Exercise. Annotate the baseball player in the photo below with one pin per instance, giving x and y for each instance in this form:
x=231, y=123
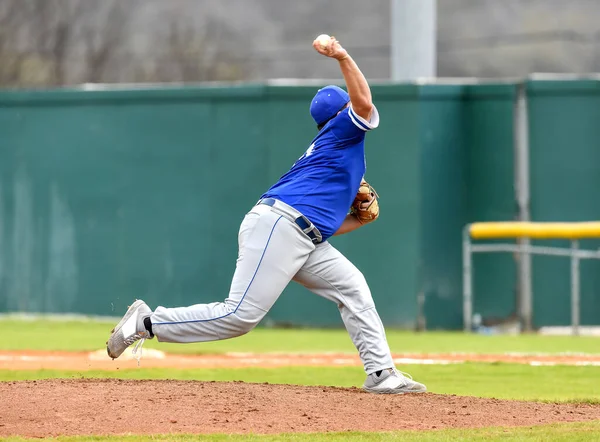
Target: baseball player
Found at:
x=284, y=238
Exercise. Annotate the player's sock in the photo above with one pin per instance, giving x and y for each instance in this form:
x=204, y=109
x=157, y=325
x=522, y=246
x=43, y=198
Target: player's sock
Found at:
x=148, y=325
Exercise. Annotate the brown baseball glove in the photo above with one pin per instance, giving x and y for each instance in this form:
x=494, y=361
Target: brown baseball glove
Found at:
x=365, y=205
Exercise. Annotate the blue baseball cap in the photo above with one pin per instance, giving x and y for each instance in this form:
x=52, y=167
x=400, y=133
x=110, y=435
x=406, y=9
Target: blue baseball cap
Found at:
x=327, y=103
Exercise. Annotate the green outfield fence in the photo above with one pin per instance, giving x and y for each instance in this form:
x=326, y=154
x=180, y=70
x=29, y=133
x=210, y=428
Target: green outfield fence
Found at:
x=113, y=193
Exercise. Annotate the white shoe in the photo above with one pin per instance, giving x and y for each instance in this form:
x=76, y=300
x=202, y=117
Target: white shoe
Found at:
x=392, y=381
x=129, y=330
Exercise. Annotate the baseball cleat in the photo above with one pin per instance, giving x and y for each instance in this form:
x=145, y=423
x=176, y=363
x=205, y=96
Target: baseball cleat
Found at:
x=392, y=381
x=129, y=330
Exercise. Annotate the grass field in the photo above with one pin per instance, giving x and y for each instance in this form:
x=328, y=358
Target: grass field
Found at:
x=506, y=381
x=88, y=336
x=576, y=432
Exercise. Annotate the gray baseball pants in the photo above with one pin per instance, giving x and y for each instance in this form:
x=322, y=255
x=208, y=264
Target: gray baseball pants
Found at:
x=273, y=250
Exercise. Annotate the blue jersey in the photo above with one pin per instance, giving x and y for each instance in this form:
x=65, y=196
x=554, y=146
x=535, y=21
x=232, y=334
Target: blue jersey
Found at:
x=323, y=182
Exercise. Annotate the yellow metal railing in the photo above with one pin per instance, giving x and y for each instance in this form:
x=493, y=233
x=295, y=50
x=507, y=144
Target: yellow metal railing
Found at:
x=531, y=230
x=497, y=230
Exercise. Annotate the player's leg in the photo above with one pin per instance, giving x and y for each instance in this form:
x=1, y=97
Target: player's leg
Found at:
x=271, y=250
x=331, y=275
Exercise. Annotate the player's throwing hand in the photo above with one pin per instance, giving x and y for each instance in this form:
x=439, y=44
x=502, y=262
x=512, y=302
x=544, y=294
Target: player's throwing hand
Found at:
x=329, y=47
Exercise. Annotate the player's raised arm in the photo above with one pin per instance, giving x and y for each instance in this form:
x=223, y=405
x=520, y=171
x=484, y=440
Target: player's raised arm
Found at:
x=356, y=83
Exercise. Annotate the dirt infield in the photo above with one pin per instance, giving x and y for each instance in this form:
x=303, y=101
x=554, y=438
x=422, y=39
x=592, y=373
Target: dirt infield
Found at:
x=85, y=407
x=98, y=360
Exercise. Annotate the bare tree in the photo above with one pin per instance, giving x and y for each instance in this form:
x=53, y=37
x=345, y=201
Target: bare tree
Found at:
x=11, y=18
x=194, y=52
x=102, y=42
x=52, y=34
x=59, y=42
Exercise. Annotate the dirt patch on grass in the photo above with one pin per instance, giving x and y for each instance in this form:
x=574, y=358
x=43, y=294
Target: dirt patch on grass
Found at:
x=98, y=360
x=112, y=406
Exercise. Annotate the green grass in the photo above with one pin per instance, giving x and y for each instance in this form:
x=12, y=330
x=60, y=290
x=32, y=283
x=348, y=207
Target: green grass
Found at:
x=572, y=432
x=503, y=381
x=87, y=336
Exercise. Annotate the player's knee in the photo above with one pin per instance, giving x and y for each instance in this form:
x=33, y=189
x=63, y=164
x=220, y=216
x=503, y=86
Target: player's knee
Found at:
x=359, y=280
x=240, y=326
x=356, y=294
x=357, y=284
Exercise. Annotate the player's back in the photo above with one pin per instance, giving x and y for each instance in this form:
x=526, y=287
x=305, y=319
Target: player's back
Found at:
x=323, y=182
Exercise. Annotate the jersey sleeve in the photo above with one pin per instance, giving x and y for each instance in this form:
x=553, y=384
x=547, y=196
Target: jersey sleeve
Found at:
x=351, y=127
x=363, y=124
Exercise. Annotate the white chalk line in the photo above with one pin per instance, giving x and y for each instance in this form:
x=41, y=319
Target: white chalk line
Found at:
x=274, y=359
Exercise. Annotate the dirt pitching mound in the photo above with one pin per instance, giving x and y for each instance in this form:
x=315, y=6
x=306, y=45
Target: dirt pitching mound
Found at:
x=113, y=406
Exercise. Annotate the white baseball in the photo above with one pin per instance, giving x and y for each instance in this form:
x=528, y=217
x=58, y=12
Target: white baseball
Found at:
x=324, y=40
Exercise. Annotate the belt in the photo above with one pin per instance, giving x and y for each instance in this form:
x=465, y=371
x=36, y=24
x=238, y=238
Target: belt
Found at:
x=301, y=221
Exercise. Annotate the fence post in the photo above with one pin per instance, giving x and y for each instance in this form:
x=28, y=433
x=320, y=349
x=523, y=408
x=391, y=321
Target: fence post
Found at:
x=522, y=194
x=467, y=281
x=574, y=287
